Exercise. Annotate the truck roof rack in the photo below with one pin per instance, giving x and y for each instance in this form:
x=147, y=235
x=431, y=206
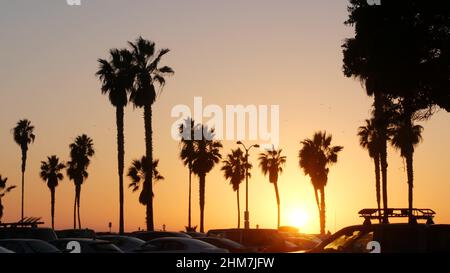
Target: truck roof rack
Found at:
x=417, y=214
x=25, y=222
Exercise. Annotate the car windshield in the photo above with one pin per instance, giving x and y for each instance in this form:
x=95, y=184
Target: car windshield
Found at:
x=42, y=247
x=339, y=243
x=105, y=247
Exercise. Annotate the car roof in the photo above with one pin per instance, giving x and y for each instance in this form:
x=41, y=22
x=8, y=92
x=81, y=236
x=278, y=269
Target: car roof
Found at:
x=22, y=240
x=87, y=240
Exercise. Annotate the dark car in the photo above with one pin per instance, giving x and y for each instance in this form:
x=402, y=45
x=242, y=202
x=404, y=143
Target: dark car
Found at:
x=126, y=243
x=231, y=246
x=84, y=245
x=44, y=234
x=179, y=245
x=76, y=233
x=388, y=238
x=27, y=246
x=150, y=235
x=263, y=240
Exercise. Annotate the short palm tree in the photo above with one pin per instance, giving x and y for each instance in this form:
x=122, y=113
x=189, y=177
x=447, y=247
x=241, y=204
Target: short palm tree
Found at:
x=23, y=136
x=234, y=169
x=148, y=74
x=117, y=76
x=137, y=174
x=187, y=130
x=3, y=191
x=315, y=157
x=271, y=162
x=205, y=156
x=405, y=136
x=51, y=172
x=368, y=139
x=81, y=151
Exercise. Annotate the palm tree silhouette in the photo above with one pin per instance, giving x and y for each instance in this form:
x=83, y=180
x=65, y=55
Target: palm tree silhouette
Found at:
x=144, y=94
x=368, y=139
x=234, y=168
x=51, y=173
x=23, y=136
x=405, y=136
x=271, y=162
x=205, y=156
x=81, y=150
x=117, y=76
x=315, y=157
x=187, y=131
x=137, y=174
x=3, y=191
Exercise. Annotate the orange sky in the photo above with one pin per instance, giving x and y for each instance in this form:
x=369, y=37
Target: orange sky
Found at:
x=258, y=52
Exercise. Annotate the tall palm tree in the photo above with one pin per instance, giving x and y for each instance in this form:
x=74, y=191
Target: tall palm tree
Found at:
x=271, y=162
x=405, y=136
x=205, y=156
x=137, y=174
x=51, y=172
x=81, y=150
x=368, y=139
x=23, y=136
x=187, y=131
x=3, y=191
x=315, y=157
x=234, y=168
x=117, y=76
x=148, y=74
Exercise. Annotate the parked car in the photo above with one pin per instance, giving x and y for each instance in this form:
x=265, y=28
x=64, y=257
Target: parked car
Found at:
x=5, y=251
x=76, y=233
x=26, y=246
x=86, y=246
x=125, y=243
x=231, y=246
x=150, y=235
x=388, y=238
x=45, y=234
x=179, y=245
x=263, y=240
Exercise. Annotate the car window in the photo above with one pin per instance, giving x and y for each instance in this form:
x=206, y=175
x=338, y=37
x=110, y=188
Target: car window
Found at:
x=172, y=245
x=16, y=247
x=360, y=244
x=42, y=247
x=105, y=247
x=342, y=241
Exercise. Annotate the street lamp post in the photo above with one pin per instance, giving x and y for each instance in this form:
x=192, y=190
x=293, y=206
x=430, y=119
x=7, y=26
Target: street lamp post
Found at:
x=246, y=213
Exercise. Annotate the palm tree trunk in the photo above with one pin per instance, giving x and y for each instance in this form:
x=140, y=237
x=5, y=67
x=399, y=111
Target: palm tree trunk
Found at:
x=190, y=196
x=202, y=201
x=382, y=129
x=322, y=211
x=78, y=189
x=409, y=169
x=75, y=210
x=120, y=160
x=52, y=196
x=376, y=160
x=239, y=209
x=278, y=203
x=317, y=198
x=149, y=167
x=24, y=161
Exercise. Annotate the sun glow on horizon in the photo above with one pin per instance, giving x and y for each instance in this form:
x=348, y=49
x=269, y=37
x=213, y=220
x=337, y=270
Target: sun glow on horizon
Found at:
x=298, y=218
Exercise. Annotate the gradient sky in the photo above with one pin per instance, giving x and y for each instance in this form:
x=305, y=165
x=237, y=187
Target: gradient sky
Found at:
x=286, y=53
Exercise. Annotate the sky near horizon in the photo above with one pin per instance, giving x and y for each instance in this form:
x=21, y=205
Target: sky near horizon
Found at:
x=285, y=53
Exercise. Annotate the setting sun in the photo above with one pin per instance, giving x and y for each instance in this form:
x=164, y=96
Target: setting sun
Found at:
x=298, y=218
